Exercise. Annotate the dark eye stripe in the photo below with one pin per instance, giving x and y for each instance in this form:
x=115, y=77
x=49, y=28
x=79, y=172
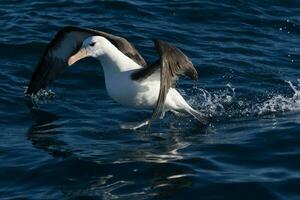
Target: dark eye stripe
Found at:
x=92, y=44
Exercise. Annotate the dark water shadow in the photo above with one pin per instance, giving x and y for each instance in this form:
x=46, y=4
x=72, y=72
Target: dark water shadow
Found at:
x=44, y=132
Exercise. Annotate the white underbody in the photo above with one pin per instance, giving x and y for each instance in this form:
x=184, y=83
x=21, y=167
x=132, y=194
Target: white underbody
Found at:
x=141, y=94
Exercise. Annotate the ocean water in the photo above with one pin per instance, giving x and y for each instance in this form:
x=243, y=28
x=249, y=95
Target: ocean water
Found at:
x=67, y=143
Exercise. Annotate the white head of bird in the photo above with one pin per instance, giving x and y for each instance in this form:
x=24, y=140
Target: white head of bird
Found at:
x=111, y=58
x=95, y=46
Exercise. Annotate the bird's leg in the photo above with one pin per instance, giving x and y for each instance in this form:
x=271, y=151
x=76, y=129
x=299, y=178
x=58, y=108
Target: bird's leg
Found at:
x=177, y=113
x=135, y=125
x=162, y=115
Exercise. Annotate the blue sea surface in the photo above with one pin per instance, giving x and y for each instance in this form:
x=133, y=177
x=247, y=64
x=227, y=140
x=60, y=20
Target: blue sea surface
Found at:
x=67, y=144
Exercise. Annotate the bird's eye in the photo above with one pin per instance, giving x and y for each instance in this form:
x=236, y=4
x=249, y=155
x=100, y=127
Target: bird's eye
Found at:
x=92, y=44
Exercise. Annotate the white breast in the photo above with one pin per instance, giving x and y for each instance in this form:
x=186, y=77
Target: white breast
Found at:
x=117, y=70
x=123, y=90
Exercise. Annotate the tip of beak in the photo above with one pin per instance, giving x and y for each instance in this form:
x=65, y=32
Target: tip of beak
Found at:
x=70, y=62
x=77, y=56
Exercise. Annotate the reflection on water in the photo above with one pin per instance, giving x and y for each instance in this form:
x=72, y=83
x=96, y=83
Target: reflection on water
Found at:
x=44, y=132
x=114, y=175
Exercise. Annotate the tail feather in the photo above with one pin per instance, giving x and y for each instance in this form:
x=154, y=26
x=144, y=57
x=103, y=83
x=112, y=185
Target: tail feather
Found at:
x=199, y=116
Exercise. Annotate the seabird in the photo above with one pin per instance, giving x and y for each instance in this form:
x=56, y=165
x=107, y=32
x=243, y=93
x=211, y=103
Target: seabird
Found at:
x=129, y=79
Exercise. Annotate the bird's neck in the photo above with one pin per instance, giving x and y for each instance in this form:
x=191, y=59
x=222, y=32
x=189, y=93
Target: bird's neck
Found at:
x=114, y=61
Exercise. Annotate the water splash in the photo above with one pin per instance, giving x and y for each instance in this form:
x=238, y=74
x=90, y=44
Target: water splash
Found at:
x=213, y=103
x=280, y=103
x=42, y=96
x=225, y=104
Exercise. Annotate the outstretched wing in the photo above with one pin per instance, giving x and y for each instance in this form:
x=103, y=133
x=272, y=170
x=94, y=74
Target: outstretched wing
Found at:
x=172, y=63
x=65, y=43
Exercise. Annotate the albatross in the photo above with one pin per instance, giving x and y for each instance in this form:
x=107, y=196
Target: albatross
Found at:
x=129, y=80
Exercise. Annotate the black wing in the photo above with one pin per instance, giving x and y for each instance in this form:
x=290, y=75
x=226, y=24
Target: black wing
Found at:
x=65, y=43
x=172, y=63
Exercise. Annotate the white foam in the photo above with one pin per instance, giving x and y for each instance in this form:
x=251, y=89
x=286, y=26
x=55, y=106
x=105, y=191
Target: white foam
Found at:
x=224, y=103
x=281, y=103
x=42, y=96
x=212, y=103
